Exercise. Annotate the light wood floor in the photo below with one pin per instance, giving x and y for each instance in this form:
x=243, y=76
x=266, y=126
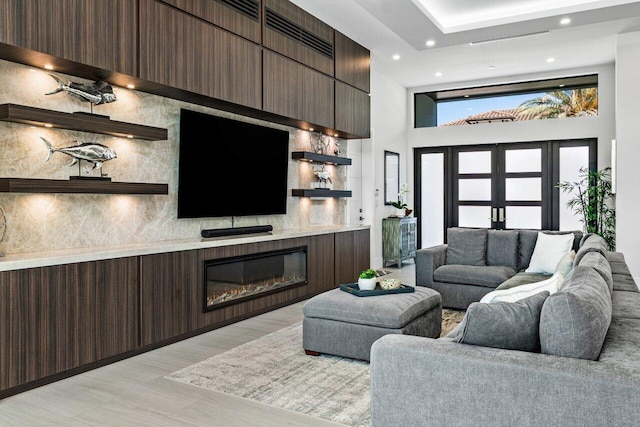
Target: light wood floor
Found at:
x=134, y=392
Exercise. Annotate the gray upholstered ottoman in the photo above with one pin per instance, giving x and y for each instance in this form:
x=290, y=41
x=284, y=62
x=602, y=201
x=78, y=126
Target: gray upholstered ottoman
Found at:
x=339, y=323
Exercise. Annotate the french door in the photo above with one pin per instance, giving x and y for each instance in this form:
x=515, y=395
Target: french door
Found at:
x=499, y=186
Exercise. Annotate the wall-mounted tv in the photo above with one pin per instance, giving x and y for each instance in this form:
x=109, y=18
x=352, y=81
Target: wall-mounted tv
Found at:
x=230, y=168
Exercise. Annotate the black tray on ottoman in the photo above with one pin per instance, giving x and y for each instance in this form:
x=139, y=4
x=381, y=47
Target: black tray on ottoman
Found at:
x=353, y=288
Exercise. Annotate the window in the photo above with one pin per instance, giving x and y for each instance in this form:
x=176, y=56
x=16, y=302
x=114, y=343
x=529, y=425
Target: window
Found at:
x=566, y=97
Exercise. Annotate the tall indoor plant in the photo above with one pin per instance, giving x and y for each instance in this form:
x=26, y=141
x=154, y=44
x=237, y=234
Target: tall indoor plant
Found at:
x=592, y=202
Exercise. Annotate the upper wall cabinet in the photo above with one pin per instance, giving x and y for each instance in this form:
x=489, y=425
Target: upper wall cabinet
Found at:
x=291, y=31
x=352, y=111
x=353, y=62
x=198, y=57
x=99, y=33
x=241, y=17
x=293, y=90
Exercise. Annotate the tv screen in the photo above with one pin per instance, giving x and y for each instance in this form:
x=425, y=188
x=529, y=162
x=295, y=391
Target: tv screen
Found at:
x=230, y=168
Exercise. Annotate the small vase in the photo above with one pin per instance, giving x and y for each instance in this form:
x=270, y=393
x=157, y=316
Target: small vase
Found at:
x=367, y=284
x=399, y=213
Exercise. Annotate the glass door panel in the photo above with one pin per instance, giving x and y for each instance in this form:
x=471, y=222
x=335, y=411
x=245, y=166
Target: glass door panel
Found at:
x=474, y=216
x=523, y=217
x=571, y=160
x=474, y=189
x=523, y=189
x=432, y=199
x=474, y=162
x=523, y=160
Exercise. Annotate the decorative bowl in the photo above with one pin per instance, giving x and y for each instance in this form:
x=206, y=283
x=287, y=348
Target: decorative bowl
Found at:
x=389, y=284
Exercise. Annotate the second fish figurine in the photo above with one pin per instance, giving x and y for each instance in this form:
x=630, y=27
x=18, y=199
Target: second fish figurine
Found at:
x=90, y=151
x=96, y=93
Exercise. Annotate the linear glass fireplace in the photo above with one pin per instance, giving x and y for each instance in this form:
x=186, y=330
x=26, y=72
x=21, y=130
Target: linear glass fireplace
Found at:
x=235, y=279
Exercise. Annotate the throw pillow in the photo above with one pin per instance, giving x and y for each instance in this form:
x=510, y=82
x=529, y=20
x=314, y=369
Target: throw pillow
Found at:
x=466, y=246
x=507, y=325
x=502, y=248
x=549, y=250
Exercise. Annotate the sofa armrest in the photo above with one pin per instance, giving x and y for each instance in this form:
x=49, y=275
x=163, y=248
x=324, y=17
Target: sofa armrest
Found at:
x=419, y=381
x=427, y=260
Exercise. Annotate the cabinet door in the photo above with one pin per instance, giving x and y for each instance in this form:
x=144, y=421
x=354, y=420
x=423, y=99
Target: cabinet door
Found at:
x=99, y=33
x=171, y=292
x=352, y=110
x=241, y=17
x=295, y=33
x=198, y=57
x=295, y=91
x=352, y=255
x=53, y=319
x=353, y=62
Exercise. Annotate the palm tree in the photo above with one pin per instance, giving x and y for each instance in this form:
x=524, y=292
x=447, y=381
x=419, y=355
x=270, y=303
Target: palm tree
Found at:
x=563, y=103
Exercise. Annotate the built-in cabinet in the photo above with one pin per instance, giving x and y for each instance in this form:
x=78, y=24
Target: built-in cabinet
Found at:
x=267, y=59
x=60, y=320
x=198, y=57
x=98, y=33
x=398, y=240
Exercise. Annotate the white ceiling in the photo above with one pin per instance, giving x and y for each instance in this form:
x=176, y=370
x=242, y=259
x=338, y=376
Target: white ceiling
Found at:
x=512, y=37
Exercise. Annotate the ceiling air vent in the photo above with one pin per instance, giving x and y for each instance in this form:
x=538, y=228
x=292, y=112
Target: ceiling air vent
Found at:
x=297, y=33
x=250, y=8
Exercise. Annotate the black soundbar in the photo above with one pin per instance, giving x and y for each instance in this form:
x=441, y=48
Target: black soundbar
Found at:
x=217, y=232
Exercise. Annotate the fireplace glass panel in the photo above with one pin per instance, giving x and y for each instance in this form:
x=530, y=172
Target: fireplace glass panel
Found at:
x=231, y=280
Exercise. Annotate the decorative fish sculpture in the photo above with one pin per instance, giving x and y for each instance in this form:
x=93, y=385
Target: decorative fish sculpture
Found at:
x=90, y=151
x=99, y=92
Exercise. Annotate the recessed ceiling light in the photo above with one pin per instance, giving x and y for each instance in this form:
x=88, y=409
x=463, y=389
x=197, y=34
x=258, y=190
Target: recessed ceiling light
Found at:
x=565, y=21
x=550, y=59
x=48, y=67
x=396, y=57
x=466, y=96
x=431, y=43
x=491, y=67
x=130, y=86
x=438, y=74
x=560, y=85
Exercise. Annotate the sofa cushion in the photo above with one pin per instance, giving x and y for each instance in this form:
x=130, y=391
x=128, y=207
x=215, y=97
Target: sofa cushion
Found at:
x=548, y=252
x=502, y=248
x=489, y=276
x=574, y=321
x=625, y=305
x=518, y=293
x=593, y=243
x=527, y=242
x=624, y=282
x=599, y=263
x=466, y=246
x=507, y=325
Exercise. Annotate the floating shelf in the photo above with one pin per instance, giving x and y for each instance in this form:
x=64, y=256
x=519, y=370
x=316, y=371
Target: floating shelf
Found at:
x=83, y=122
x=307, y=156
x=320, y=193
x=29, y=185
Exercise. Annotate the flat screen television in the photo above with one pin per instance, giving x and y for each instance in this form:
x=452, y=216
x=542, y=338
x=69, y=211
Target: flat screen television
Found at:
x=230, y=168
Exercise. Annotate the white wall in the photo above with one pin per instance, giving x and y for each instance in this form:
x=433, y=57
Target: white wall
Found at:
x=388, y=123
x=627, y=135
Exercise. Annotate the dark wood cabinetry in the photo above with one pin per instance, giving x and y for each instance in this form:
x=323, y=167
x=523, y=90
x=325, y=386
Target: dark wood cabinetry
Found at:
x=55, y=319
x=351, y=255
x=352, y=110
x=241, y=17
x=98, y=33
x=291, y=31
x=353, y=62
x=293, y=90
x=198, y=57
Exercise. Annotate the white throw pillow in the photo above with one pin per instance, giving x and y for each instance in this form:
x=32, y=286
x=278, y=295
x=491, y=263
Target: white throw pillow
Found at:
x=549, y=250
x=524, y=291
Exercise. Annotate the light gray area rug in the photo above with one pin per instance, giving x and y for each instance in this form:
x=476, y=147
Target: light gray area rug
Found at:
x=275, y=370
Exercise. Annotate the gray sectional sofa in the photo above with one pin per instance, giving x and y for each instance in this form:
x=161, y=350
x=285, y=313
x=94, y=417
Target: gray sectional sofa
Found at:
x=475, y=262
x=581, y=366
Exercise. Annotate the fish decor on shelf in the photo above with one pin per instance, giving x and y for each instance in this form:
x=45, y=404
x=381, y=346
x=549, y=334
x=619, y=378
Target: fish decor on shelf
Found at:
x=98, y=92
x=89, y=151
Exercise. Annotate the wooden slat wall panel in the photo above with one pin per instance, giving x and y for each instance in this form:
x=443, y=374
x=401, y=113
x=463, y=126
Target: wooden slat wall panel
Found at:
x=353, y=110
x=353, y=62
x=351, y=255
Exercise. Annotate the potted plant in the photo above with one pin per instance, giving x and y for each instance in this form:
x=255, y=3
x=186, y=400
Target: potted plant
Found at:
x=591, y=201
x=367, y=280
x=400, y=208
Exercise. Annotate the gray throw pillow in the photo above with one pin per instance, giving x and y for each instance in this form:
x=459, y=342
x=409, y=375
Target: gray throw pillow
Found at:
x=508, y=325
x=575, y=320
x=466, y=246
x=502, y=248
